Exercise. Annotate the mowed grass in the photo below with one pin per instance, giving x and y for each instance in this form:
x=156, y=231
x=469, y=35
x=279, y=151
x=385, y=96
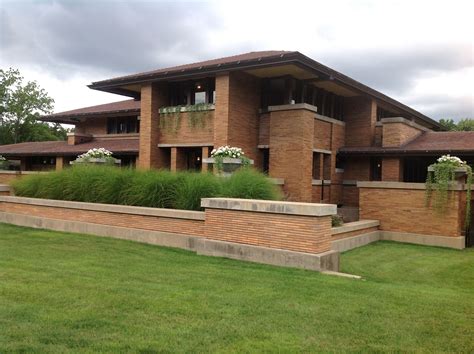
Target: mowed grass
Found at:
x=64, y=292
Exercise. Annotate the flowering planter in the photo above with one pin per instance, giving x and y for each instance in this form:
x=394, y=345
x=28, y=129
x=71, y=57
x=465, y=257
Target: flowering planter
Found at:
x=458, y=172
x=229, y=164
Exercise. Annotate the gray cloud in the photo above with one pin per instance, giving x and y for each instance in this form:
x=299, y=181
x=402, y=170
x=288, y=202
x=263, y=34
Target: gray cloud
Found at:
x=395, y=71
x=103, y=39
x=118, y=38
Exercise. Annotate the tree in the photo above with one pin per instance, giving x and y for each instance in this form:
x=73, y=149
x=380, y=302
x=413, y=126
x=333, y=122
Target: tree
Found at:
x=466, y=124
x=20, y=107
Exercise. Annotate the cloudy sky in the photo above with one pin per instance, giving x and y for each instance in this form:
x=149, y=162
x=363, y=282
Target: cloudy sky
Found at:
x=418, y=52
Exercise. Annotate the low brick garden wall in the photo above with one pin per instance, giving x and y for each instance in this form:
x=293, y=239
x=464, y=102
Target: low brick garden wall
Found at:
x=281, y=233
x=7, y=176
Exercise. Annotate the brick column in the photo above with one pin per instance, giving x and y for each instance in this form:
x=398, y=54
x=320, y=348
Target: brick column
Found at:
x=206, y=152
x=177, y=161
x=392, y=169
x=291, y=150
x=153, y=96
x=59, y=163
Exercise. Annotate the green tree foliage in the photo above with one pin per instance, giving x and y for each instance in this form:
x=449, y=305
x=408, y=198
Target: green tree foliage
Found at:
x=466, y=124
x=21, y=104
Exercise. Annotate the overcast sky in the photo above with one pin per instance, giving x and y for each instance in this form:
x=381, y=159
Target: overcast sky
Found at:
x=418, y=52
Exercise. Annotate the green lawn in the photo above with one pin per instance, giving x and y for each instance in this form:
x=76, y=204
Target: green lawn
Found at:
x=68, y=292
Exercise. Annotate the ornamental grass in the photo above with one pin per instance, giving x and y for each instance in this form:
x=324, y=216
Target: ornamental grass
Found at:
x=153, y=188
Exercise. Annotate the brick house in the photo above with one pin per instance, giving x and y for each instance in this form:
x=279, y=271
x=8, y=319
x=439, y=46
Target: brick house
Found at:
x=314, y=129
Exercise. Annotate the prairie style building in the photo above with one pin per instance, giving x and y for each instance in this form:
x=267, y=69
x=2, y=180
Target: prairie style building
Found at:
x=313, y=129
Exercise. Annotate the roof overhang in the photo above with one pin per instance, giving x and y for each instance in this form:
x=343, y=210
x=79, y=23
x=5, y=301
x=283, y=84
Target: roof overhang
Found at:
x=77, y=118
x=402, y=152
x=322, y=72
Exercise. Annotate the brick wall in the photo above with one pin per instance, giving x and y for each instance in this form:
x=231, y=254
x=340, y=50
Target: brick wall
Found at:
x=322, y=134
x=165, y=224
x=186, y=133
x=291, y=152
x=396, y=134
x=264, y=129
x=236, y=120
x=153, y=96
x=360, y=116
x=92, y=126
x=293, y=229
x=316, y=194
x=404, y=210
x=6, y=178
x=392, y=169
x=357, y=169
x=350, y=196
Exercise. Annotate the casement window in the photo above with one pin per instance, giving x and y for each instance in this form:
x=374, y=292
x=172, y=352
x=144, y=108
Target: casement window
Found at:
x=123, y=125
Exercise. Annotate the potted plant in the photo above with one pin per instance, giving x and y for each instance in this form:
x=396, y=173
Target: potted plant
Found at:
x=3, y=163
x=443, y=174
x=96, y=156
x=228, y=159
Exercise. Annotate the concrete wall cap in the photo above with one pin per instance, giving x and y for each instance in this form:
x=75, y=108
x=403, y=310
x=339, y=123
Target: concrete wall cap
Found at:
x=329, y=119
x=354, y=226
x=277, y=181
x=111, y=208
x=401, y=185
x=4, y=188
x=403, y=121
x=270, y=206
x=318, y=182
x=289, y=107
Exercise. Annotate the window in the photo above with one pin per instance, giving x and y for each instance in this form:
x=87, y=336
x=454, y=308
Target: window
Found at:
x=265, y=160
x=123, y=125
x=375, y=169
x=192, y=92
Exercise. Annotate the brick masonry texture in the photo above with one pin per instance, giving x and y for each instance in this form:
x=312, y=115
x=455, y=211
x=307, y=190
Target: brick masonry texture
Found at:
x=264, y=129
x=188, y=227
x=308, y=234
x=397, y=134
x=292, y=158
x=404, y=210
x=153, y=96
x=350, y=195
x=392, y=169
x=7, y=178
x=360, y=115
x=186, y=133
x=288, y=232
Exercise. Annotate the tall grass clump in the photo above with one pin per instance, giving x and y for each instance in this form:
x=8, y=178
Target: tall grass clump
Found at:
x=250, y=184
x=157, y=189
x=194, y=186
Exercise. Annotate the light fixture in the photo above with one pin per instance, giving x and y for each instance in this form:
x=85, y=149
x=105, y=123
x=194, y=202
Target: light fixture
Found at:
x=198, y=86
x=198, y=158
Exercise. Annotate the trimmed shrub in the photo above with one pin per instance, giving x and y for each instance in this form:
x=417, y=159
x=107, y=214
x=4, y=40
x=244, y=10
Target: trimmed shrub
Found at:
x=158, y=189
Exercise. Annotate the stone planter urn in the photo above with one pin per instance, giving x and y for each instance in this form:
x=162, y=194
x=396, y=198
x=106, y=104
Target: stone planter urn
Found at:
x=96, y=161
x=229, y=165
x=459, y=172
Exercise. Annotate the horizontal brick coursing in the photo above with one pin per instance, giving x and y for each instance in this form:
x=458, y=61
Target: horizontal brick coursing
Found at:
x=7, y=178
x=404, y=210
x=289, y=232
x=264, y=130
x=187, y=133
x=350, y=196
x=397, y=134
x=154, y=223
